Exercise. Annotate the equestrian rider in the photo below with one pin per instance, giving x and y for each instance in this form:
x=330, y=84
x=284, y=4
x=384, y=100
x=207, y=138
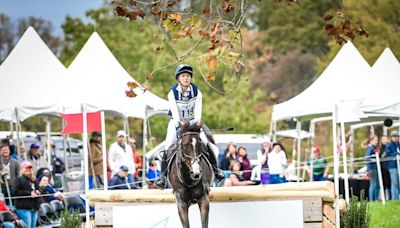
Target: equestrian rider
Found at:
x=185, y=101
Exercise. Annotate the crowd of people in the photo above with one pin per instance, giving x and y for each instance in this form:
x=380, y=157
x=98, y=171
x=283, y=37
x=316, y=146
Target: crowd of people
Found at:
x=272, y=165
x=25, y=184
x=387, y=152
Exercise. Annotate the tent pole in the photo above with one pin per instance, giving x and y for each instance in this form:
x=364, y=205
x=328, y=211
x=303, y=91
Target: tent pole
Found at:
x=346, y=178
x=298, y=128
x=381, y=187
x=65, y=147
x=144, y=149
x=86, y=164
x=127, y=127
x=336, y=166
x=104, y=151
x=351, y=145
x=18, y=138
x=312, y=135
x=48, y=130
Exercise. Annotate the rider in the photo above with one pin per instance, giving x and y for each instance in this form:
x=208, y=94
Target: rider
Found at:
x=185, y=101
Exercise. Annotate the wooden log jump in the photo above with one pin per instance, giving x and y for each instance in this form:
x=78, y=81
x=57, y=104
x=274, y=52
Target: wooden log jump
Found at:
x=317, y=197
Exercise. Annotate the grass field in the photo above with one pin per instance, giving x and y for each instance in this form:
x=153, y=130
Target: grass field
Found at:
x=387, y=216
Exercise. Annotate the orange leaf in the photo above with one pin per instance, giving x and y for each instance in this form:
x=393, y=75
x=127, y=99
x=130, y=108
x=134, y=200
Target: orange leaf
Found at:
x=121, y=11
x=210, y=76
x=212, y=62
x=132, y=85
x=328, y=17
x=130, y=93
x=206, y=11
x=175, y=17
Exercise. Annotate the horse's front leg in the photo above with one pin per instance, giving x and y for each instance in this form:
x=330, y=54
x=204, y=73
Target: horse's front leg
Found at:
x=204, y=206
x=183, y=209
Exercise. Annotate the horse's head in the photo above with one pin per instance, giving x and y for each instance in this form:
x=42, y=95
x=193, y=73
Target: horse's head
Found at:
x=191, y=148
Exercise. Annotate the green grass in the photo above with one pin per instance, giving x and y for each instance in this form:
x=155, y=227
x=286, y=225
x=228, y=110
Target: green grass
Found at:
x=387, y=216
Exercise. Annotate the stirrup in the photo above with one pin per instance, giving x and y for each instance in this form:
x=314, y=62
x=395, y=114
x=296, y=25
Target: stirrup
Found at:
x=219, y=174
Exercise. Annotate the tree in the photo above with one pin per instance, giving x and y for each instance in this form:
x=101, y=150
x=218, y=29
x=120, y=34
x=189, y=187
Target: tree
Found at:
x=136, y=52
x=10, y=33
x=6, y=36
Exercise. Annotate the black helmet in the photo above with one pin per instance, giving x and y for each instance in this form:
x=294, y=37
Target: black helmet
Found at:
x=183, y=68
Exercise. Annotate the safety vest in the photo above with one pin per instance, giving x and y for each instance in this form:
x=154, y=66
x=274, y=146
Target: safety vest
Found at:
x=185, y=104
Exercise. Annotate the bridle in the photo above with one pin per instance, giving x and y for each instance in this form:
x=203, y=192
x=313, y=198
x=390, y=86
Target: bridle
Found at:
x=195, y=158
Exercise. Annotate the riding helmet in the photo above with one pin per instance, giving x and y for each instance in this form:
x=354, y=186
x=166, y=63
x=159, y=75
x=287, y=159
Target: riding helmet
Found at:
x=183, y=68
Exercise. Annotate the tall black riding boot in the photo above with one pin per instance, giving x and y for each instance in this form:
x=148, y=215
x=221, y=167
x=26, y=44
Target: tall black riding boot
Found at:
x=161, y=182
x=219, y=174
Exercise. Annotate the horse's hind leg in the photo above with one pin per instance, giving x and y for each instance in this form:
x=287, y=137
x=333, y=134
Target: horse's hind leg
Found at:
x=183, y=209
x=204, y=206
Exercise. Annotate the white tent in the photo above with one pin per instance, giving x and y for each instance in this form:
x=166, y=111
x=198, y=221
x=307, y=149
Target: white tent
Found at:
x=346, y=78
x=97, y=80
x=384, y=97
x=293, y=133
x=31, y=79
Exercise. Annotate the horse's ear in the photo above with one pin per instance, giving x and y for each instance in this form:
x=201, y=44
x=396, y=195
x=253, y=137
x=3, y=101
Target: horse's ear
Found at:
x=183, y=125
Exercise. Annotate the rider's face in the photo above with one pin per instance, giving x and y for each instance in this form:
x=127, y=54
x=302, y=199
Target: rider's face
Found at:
x=185, y=79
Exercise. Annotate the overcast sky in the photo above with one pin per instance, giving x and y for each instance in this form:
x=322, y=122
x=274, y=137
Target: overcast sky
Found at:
x=52, y=10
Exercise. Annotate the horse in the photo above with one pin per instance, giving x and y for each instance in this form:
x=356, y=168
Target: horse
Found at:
x=191, y=174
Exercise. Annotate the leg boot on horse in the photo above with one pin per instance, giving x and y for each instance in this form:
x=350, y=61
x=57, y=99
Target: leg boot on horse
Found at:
x=219, y=174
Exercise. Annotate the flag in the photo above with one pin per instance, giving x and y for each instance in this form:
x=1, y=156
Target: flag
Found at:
x=74, y=122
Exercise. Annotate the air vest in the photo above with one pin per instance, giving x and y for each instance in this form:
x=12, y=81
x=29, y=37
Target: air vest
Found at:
x=184, y=104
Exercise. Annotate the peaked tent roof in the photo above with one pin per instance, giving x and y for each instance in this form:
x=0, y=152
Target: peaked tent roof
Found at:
x=385, y=75
x=98, y=80
x=345, y=78
x=31, y=78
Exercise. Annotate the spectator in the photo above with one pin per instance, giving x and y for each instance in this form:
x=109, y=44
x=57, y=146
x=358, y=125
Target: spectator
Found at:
x=8, y=224
x=13, y=152
x=120, y=154
x=58, y=167
x=277, y=163
x=373, y=192
x=120, y=180
x=244, y=163
x=290, y=171
x=236, y=179
x=45, y=188
x=391, y=151
x=262, y=160
x=27, y=207
x=56, y=162
x=230, y=155
x=9, y=171
x=222, y=155
x=95, y=161
x=153, y=172
x=136, y=157
x=35, y=158
x=320, y=167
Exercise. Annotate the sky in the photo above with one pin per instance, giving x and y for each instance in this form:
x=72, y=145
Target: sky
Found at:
x=51, y=10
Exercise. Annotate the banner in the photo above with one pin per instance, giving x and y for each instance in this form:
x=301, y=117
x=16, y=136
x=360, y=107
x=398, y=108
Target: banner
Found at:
x=74, y=122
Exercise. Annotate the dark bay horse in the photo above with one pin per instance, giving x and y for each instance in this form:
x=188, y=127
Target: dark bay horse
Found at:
x=191, y=175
